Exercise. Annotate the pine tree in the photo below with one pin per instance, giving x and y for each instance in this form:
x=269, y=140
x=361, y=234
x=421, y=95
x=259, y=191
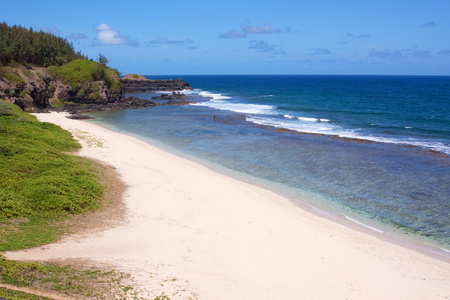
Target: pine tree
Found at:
x=26, y=46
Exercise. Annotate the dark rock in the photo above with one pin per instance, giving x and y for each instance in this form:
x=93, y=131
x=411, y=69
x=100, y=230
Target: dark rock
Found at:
x=173, y=96
x=40, y=93
x=79, y=117
x=179, y=102
x=130, y=102
x=149, y=86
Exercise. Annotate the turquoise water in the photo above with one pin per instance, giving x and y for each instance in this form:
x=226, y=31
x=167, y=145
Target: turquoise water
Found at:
x=374, y=148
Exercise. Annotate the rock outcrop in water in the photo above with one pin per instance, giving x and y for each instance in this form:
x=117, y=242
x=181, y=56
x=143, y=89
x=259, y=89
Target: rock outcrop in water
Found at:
x=133, y=83
x=173, y=96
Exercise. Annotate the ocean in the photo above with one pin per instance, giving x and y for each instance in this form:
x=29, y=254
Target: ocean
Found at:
x=373, y=149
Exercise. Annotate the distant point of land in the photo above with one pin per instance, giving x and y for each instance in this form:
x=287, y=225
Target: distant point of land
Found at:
x=134, y=77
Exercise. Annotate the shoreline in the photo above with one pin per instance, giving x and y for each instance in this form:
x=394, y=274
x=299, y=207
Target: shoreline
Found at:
x=385, y=234
x=388, y=234
x=223, y=238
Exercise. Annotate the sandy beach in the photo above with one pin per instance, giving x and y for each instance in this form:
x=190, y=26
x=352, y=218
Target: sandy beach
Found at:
x=192, y=233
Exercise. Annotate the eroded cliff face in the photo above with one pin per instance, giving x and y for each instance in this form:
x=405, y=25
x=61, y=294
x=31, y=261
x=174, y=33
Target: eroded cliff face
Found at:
x=35, y=89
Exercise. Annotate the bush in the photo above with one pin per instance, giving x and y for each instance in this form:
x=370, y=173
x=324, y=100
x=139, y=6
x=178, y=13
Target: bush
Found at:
x=10, y=75
x=58, y=103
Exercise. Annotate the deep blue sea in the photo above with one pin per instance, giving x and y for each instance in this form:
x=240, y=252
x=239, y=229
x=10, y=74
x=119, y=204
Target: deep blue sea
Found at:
x=375, y=149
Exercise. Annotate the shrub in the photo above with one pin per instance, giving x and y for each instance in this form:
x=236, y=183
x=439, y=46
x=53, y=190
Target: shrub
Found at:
x=27, y=73
x=24, y=92
x=58, y=103
x=10, y=75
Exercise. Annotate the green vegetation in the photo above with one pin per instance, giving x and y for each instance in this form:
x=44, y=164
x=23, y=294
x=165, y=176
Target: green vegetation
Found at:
x=11, y=75
x=102, y=59
x=90, y=282
x=82, y=72
x=29, y=232
x=26, y=46
x=40, y=183
x=10, y=294
x=23, y=50
x=58, y=103
x=41, y=186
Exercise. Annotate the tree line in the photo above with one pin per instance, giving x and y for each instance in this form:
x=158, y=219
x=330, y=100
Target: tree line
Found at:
x=26, y=46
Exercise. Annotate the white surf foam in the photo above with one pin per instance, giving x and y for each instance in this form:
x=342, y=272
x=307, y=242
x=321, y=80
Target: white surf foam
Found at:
x=219, y=101
x=308, y=119
x=297, y=124
x=214, y=97
x=324, y=126
x=364, y=225
x=307, y=124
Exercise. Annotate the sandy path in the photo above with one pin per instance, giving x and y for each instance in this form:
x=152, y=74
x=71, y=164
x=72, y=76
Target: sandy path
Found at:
x=191, y=232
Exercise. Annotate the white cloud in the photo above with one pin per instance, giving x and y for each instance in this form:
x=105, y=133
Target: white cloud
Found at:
x=233, y=34
x=421, y=53
x=107, y=36
x=387, y=53
x=165, y=40
x=78, y=36
x=444, y=52
x=428, y=24
x=54, y=30
x=321, y=51
x=252, y=29
x=261, y=46
x=358, y=36
x=265, y=29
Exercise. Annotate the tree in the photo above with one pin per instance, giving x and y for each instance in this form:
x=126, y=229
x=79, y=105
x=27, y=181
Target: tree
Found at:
x=102, y=59
x=26, y=46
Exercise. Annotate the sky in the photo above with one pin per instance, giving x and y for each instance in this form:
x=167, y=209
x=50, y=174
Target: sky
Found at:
x=377, y=37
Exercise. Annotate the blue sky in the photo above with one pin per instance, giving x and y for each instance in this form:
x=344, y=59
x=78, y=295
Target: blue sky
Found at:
x=250, y=37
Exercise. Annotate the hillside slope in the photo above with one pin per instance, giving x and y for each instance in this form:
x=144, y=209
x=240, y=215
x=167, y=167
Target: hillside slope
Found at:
x=77, y=82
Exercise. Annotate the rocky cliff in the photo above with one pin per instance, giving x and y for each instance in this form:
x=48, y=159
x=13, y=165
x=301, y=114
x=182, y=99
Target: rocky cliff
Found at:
x=35, y=89
x=79, y=86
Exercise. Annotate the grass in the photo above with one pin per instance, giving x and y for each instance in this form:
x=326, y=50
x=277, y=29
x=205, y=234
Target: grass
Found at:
x=37, y=177
x=9, y=74
x=90, y=140
x=58, y=103
x=28, y=233
x=81, y=282
x=81, y=72
x=11, y=294
x=40, y=183
x=42, y=190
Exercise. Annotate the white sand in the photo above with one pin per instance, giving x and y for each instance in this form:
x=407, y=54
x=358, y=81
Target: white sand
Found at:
x=191, y=232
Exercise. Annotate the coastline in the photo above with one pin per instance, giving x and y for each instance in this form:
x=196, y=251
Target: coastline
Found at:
x=221, y=238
